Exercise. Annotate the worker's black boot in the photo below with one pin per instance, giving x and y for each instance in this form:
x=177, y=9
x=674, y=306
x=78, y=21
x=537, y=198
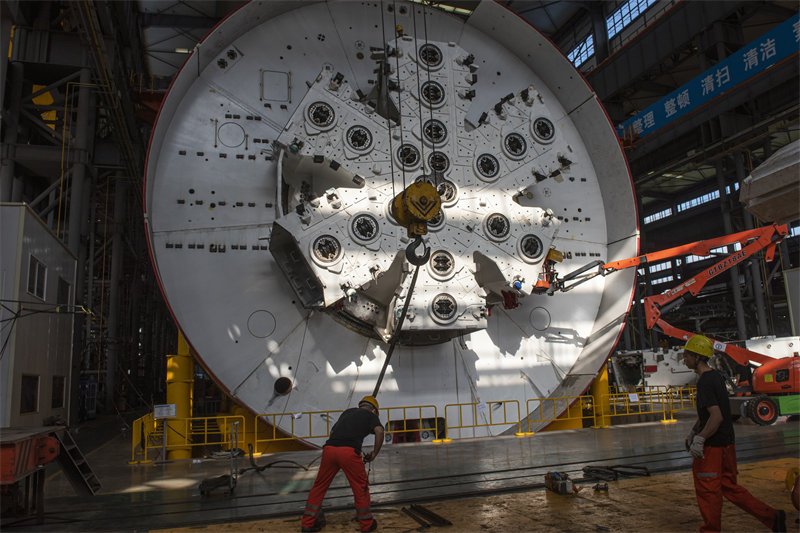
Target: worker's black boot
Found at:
x=319, y=523
x=373, y=527
x=779, y=523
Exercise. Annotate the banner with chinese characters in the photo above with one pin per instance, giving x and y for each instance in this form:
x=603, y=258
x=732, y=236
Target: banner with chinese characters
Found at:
x=751, y=59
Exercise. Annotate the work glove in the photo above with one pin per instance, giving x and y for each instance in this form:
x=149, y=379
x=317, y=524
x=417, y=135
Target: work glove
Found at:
x=696, y=448
x=689, y=438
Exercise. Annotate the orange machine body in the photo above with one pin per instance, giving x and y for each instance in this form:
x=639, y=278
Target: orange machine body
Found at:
x=22, y=450
x=777, y=377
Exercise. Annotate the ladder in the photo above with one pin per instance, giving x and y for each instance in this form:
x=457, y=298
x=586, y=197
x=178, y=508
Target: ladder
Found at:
x=75, y=467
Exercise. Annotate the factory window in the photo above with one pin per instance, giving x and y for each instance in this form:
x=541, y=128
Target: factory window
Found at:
x=662, y=280
x=57, y=400
x=582, y=52
x=658, y=216
x=694, y=202
x=62, y=298
x=37, y=274
x=722, y=250
x=29, y=399
x=626, y=14
x=794, y=231
x=732, y=188
x=666, y=265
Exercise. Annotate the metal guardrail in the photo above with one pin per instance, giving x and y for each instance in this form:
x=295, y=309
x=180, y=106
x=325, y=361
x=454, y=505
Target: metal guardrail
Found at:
x=202, y=431
x=657, y=400
x=636, y=403
x=681, y=398
x=404, y=420
x=142, y=430
x=547, y=409
x=637, y=388
x=400, y=421
x=482, y=408
x=147, y=433
x=301, y=425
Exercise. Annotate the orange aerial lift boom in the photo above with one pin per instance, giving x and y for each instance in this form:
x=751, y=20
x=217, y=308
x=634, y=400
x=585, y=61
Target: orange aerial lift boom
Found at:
x=751, y=241
x=779, y=377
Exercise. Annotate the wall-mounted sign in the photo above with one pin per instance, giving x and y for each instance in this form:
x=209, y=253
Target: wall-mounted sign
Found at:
x=750, y=60
x=166, y=410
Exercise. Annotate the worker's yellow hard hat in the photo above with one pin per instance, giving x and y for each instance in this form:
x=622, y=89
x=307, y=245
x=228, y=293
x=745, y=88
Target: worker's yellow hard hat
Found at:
x=370, y=400
x=700, y=345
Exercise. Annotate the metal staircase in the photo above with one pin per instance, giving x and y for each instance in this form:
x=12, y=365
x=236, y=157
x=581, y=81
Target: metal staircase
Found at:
x=75, y=467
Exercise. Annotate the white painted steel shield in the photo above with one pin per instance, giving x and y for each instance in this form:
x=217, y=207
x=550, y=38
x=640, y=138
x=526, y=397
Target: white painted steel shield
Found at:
x=272, y=131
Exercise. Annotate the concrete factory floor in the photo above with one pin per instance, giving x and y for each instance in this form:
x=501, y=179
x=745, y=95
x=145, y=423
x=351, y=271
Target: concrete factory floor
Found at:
x=661, y=503
x=487, y=484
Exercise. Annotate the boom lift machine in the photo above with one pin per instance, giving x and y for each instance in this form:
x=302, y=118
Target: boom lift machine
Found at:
x=773, y=389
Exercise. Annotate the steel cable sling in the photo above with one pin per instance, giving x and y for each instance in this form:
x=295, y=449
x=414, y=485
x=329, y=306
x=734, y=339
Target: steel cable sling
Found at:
x=411, y=256
x=396, y=334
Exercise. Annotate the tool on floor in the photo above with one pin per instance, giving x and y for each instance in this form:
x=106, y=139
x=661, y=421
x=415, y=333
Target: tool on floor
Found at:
x=213, y=483
x=429, y=515
x=631, y=470
x=601, y=486
x=418, y=519
x=226, y=480
x=613, y=472
x=599, y=472
x=560, y=483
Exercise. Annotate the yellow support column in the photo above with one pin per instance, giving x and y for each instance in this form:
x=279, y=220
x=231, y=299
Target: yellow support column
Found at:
x=602, y=406
x=180, y=384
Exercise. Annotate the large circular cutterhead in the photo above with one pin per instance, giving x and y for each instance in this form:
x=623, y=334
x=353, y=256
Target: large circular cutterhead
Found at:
x=270, y=176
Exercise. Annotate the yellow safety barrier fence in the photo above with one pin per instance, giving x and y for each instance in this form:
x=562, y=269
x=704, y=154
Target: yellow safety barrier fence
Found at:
x=637, y=403
x=147, y=432
x=301, y=425
x=399, y=420
x=202, y=431
x=407, y=422
x=486, y=410
x=681, y=398
x=547, y=410
x=665, y=402
x=615, y=389
x=143, y=432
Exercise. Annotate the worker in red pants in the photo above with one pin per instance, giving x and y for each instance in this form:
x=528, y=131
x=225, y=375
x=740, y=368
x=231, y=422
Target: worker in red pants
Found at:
x=711, y=443
x=343, y=451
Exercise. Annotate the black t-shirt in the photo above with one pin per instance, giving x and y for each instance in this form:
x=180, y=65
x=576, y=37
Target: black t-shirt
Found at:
x=711, y=391
x=351, y=428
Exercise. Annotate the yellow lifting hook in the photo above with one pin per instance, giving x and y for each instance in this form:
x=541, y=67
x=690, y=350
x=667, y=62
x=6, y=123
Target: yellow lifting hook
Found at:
x=413, y=208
